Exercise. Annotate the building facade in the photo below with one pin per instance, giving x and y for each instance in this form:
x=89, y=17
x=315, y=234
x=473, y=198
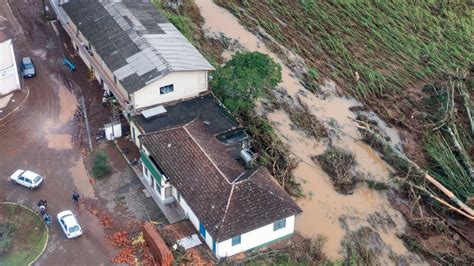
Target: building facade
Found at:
x=9, y=80
x=134, y=52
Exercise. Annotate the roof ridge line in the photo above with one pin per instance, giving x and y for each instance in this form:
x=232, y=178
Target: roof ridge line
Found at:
x=248, y=178
x=205, y=154
x=225, y=211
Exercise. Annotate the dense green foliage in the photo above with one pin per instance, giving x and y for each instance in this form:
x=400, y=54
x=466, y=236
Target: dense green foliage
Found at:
x=100, y=166
x=245, y=78
x=390, y=44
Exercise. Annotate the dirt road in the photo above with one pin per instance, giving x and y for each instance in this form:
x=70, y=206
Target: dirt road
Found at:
x=42, y=136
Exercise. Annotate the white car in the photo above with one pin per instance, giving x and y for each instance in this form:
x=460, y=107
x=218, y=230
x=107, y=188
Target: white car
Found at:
x=69, y=224
x=27, y=179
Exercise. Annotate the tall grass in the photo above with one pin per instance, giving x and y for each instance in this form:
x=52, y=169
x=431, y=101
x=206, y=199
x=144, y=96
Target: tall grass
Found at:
x=389, y=44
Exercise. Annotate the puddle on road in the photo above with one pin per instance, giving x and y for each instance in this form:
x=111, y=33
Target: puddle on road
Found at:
x=323, y=207
x=59, y=141
x=67, y=109
x=82, y=180
x=67, y=105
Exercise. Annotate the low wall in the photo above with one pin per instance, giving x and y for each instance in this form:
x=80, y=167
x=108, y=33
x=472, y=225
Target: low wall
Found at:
x=158, y=247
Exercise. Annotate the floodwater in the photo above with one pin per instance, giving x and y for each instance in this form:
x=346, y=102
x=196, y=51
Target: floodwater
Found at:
x=323, y=207
x=67, y=105
x=52, y=127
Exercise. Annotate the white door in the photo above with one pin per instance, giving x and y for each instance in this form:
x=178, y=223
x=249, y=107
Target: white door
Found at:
x=28, y=182
x=21, y=181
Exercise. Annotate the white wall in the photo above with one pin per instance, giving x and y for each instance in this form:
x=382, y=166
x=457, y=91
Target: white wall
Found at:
x=9, y=80
x=137, y=133
x=192, y=217
x=186, y=84
x=255, y=238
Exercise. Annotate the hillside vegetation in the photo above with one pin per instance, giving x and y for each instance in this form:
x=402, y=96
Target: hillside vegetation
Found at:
x=384, y=54
x=391, y=45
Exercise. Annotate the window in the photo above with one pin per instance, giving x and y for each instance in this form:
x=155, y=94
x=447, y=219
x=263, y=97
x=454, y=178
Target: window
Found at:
x=166, y=89
x=279, y=224
x=157, y=188
x=236, y=240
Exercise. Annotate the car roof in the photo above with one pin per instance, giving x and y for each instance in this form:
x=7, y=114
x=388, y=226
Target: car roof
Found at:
x=26, y=60
x=29, y=174
x=68, y=218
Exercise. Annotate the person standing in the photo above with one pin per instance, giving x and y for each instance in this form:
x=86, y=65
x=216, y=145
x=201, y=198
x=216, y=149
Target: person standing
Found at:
x=75, y=197
x=42, y=209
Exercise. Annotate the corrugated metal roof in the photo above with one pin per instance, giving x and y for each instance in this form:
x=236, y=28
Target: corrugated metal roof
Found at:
x=136, y=42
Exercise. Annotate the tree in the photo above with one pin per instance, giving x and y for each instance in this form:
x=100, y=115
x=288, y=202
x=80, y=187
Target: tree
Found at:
x=100, y=165
x=245, y=78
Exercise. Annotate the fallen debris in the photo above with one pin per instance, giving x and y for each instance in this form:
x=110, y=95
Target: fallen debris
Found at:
x=119, y=238
x=338, y=163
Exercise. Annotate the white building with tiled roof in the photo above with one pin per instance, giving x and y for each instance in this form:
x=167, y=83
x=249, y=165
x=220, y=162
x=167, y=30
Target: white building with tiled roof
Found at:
x=234, y=209
x=134, y=51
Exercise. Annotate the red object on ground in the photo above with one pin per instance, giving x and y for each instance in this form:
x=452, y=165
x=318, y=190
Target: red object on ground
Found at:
x=157, y=245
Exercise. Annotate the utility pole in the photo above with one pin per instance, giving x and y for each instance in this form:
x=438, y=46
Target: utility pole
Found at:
x=113, y=122
x=44, y=8
x=86, y=122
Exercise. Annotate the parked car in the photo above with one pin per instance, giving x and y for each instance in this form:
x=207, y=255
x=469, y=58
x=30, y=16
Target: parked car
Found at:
x=69, y=224
x=27, y=179
x=27, y=67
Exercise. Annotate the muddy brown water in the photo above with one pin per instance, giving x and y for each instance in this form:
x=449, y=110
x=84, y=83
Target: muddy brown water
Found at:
x=52, y=126
x=323, y=207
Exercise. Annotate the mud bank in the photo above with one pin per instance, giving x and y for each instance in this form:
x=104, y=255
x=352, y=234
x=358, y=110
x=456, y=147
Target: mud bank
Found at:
x=325, y=211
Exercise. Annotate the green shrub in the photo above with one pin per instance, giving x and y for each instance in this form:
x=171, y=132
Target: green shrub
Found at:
x=100, y=165
x=244, y=79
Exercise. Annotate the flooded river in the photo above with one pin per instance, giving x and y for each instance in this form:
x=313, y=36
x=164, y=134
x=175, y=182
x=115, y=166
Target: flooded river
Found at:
x=324, y=210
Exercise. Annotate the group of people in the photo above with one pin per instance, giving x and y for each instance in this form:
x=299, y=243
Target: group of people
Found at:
x=43, y=205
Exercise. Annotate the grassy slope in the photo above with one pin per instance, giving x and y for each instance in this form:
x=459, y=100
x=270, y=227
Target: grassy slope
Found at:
x=30, y=235
x=390, y=44
x=394, y=47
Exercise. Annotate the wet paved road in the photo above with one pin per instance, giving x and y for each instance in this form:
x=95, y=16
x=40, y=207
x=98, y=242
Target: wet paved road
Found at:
x=42, y=136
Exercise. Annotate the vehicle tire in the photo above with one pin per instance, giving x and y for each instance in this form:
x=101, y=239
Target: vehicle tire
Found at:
x=14, y=181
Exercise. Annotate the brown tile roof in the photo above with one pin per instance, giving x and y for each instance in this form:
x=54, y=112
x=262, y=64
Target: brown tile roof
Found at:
x=228, y=199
